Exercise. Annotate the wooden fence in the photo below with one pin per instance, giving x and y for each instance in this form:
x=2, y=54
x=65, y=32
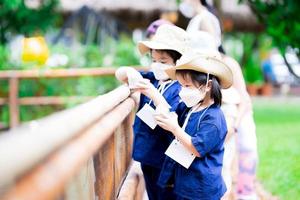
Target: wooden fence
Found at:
x=80, y=153
x=14, y=77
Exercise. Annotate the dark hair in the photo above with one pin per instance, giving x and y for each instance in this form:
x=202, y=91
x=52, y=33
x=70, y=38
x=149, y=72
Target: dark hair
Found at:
x=199, y=78
x=209, y=7
x=203, y=2
x=221, y=50
x=175, y=55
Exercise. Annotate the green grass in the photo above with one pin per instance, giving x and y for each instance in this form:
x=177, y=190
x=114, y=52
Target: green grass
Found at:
x=278, y=133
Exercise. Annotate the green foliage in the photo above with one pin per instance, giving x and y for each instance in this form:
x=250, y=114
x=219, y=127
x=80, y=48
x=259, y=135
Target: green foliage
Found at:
x=248, y=54
x=4, y=57
x=252, y=71
x=16, y=17
x=122, y=52
x=4, y=116
x=281, y=20
x=94, y=58
x=278, y=125
x=125, y=53
x=251, y=60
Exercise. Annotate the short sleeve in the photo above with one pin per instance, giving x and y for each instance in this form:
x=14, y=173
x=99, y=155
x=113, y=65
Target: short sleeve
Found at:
x=147, y=75
x=207, y=138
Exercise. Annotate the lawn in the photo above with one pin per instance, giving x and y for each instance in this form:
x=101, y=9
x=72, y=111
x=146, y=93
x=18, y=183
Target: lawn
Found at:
x=278, y=133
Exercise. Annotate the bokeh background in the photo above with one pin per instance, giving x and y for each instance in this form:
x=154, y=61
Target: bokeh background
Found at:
x=263, y=36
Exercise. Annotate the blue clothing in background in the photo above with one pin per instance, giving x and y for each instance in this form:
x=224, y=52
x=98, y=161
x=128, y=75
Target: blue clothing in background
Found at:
x=268, y=71
x=203, y=179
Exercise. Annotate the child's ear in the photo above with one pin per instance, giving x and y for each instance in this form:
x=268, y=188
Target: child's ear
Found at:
x=209, y=85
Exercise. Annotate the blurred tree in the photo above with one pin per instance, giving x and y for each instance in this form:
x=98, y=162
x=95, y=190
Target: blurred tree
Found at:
x=26, y=17
x=282, y=22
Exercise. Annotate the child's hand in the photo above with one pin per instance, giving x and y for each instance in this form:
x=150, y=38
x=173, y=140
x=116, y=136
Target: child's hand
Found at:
x=145, y=87
x=167, y=120
x=133, y=77
x=128, y=75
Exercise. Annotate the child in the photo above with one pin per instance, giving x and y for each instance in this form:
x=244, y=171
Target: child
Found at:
x=194, y=162
x=204, y=42
x=149, y=145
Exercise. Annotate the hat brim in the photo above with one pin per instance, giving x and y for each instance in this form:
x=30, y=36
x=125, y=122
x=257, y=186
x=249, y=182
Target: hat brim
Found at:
x=145, y=46
x=204, y=64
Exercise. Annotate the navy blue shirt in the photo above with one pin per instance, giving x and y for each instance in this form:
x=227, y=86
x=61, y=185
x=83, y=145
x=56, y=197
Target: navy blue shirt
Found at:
x=203, y=180
x=149, y=145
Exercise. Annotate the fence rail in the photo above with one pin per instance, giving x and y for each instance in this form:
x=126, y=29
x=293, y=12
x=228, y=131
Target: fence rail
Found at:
x=14, y=77
x=88, y=146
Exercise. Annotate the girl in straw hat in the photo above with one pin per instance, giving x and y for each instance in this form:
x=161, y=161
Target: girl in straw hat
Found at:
x=194, y=159
x=242, y=123
x=202, y=41
x=151, y=141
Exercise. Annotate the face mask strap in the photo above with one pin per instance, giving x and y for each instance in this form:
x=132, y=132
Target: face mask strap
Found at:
x=207, y=79
x=206, y=84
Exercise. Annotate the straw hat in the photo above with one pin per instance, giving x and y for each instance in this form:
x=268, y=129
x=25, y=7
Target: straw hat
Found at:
x=202, y=42
x=206, y=63
x=167, y=37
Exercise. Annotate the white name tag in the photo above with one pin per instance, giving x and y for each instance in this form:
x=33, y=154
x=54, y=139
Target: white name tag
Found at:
x=146, y=114
x=180, y=153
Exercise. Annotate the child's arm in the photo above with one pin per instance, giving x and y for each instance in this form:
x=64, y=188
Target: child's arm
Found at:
x=164, y=118
x=145, y=87
x=168, y=121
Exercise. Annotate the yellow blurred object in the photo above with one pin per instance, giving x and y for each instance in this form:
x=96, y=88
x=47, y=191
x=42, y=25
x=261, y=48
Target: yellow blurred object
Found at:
x=35, y=50
x=171, y=16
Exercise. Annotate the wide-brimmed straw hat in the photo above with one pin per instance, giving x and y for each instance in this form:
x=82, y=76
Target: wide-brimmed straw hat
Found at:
x=202, y=42
x=167, y=37
x=207, y=63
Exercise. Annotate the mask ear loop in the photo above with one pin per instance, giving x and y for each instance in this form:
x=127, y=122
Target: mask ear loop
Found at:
x=206, y=85
x=207, y=79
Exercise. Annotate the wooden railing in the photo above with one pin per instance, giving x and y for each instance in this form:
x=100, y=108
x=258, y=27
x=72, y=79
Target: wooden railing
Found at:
x=14, y=77
x=80, y=153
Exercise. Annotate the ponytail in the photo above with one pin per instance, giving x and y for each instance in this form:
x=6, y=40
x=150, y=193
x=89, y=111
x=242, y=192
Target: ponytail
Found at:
x=216, y=94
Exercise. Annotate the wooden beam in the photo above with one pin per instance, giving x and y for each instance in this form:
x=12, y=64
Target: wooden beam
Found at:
x=53, y=100
x=61, y=73
x=104, y=164
x=47, y=180
x=47, y=134
x=13, y=102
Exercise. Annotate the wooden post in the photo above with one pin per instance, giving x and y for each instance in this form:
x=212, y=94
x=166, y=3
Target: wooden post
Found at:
x=128, y=122
x=13, y=102
x=82, y=185
x=104, y=168
x=120, y=155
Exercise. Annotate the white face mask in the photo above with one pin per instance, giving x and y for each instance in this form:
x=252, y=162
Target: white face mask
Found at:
x=187, y=10
x=192, y=96
x=158, y=70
